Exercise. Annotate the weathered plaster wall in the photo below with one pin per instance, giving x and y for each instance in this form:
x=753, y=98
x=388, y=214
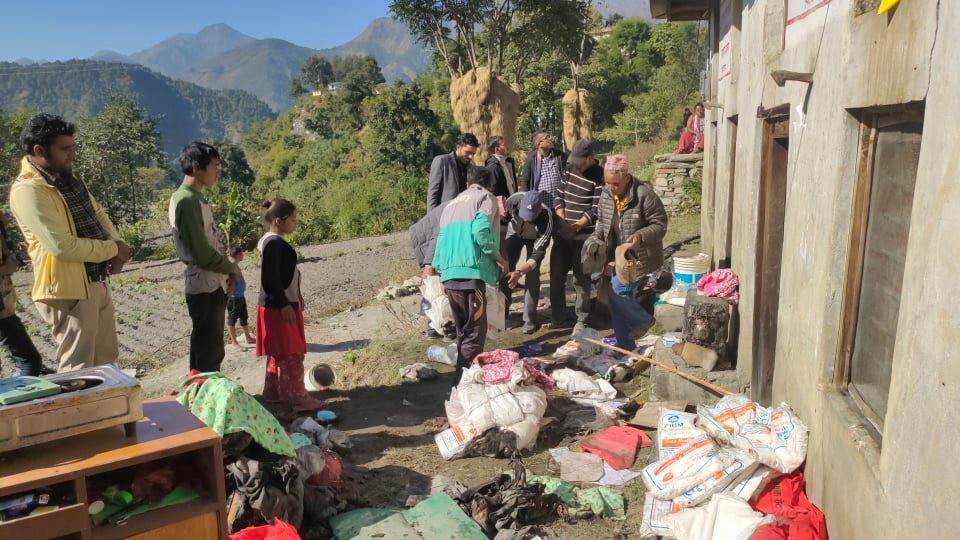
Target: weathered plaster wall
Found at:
x=858, y=61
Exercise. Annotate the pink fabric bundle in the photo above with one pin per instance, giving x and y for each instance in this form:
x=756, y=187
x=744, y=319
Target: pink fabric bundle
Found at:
x=498, y=367
x=616, y=163
x=722, y=284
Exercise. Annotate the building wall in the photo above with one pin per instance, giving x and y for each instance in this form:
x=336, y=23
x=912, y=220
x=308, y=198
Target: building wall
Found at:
x=858, y=61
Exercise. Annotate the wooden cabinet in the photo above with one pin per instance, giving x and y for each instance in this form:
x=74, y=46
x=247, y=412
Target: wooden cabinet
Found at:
x=166, y=430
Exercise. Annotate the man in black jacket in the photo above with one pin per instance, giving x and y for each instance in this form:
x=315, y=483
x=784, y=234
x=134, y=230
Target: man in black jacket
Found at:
x=448, y=172
x=543, y=168
x=576, y=207
x=531, y=226
x=502, y=168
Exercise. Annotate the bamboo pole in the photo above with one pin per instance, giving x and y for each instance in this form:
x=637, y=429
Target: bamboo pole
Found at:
x=697, y=380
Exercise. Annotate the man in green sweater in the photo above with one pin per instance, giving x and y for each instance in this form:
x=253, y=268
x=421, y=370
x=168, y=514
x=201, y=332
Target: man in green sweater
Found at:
x=209, y=275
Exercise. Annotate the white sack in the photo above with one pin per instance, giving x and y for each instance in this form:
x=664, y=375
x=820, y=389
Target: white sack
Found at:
x=689, y=466
x=674, y=430
x=749, y=486
x=440, y=313
x=725, y=517
x=737, y=465
x=496, y=309
x=580, y=386
x=655, y=512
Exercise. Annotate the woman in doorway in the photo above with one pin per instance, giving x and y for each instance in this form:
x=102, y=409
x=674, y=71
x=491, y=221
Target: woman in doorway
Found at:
x=695, y=126
x=280, y=334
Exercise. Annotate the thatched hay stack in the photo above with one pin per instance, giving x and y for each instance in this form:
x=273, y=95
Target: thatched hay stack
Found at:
x=484, y=105
x=577, y=116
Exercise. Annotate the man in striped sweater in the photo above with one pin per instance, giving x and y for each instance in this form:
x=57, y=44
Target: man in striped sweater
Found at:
x=530, y=229
x=576, y=207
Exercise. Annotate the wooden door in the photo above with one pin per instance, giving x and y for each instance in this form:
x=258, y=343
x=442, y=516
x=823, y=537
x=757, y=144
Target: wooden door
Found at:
x=772, y=206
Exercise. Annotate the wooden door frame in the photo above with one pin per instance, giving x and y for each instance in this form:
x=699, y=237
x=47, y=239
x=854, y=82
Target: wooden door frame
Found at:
x=775, y=126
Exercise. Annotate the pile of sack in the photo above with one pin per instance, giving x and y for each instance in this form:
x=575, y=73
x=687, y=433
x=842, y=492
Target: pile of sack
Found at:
x=497, y=407
x=714, y=467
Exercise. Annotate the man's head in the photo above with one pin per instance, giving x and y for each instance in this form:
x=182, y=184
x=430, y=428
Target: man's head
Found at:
x=616, y=174
x=698, y=109
x=496, y=144
x=49, y=140
x=467, y=145
x=202, y=162
x=543, y=143
x=479, y=176
x=530, y=206
x=581, y=156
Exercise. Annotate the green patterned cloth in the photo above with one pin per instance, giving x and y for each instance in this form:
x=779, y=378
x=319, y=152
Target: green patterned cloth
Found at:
x=226, y=408
x=582, y=502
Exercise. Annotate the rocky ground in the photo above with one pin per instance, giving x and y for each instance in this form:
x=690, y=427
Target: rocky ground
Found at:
x=366, y=340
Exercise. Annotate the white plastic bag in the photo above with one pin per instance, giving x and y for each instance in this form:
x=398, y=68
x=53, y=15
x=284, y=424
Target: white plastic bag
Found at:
x=439, y=312
x=674, y=431
x=496, y=309
x=654, y=513
x=582, y=388
x=736, y=466
x=725, y=517
x=689, y=466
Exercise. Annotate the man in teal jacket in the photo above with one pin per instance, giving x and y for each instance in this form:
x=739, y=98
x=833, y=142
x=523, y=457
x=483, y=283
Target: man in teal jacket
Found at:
x=466, y=257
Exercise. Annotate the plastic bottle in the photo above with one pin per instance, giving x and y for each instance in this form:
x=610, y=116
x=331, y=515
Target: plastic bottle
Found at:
x=438, y=353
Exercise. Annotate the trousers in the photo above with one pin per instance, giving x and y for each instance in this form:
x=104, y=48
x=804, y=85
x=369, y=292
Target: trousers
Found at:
x=470, y=317
x=564, y=258
x=206, y=339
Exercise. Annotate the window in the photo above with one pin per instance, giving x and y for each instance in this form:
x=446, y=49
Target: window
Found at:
x=883, y=203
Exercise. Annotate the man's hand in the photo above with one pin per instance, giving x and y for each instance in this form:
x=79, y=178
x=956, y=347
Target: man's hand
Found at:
x=288, y=314
x=123, y=251
x=636, y=243
x=580, y=223
x=115, y=265
x=561, y=213
x=427, y=271
x=513, y=279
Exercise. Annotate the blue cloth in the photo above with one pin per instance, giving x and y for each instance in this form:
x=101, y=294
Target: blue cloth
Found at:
x=626, y=314
x=240, y=288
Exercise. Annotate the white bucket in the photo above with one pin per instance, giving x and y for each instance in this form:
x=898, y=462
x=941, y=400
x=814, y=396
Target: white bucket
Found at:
x=319, y=377
x=688, y=270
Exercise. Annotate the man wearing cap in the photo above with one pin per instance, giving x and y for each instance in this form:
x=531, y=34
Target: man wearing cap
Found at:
x=530, y=228
x=576, y=208
x=543, y=168
x=630, y=216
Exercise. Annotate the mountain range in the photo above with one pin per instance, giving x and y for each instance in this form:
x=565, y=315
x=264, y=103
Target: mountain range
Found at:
x=221, y=57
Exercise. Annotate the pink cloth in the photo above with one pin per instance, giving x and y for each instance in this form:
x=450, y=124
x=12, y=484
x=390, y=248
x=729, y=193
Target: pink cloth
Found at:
x=722, y=284
x=498, y=367
x=616, y=163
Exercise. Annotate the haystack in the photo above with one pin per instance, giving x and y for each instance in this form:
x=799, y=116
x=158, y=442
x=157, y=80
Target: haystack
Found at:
x=577, y=116
x=485, y=105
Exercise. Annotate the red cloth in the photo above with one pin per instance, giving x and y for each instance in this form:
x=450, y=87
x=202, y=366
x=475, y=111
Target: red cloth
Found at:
x=278, y=531
x=685, y=144
x=797, y=517
x=330, y=475
x=283, y=380
x=617, y=445
x=277, y=337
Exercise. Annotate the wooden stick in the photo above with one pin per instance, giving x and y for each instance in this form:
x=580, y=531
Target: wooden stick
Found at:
x=697, y=380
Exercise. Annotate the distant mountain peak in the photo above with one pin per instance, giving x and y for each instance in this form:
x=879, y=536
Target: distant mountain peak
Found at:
x=178, y=54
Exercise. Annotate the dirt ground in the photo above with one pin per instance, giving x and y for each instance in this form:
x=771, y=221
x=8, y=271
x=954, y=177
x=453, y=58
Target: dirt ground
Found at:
x=366, y=341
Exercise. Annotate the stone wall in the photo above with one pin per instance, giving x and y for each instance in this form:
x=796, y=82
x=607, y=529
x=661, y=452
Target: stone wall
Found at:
x=672, y=171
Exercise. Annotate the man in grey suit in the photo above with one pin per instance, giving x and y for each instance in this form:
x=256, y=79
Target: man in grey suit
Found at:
x=448, y=172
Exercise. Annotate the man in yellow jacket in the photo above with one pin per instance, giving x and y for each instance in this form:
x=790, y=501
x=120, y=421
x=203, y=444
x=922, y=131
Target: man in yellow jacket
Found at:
x=72, y=243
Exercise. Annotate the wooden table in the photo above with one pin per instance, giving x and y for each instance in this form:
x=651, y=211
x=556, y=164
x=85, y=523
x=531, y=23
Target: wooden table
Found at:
x=167, y=429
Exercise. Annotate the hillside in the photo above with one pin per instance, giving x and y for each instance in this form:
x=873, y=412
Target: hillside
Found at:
x=264, y=67
x=80, y=87
x=177, y=55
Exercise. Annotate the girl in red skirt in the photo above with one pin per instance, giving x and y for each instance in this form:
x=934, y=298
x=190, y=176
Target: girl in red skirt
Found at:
x=280, y=334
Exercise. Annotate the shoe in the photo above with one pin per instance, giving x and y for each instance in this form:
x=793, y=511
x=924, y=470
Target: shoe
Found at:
x=529, y=328
x=432, y=334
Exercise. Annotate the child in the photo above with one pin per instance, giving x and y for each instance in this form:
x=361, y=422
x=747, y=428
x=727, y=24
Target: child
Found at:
x=280, y=333
x=237, y=304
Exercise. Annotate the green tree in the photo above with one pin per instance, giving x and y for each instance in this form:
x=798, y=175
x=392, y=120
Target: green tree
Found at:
x=296, y=89
x=234, y=168
x=113, y=149
x=400, y=129
x=356, y=77
x=237, y=212
x=317, y=72
x=10, y=152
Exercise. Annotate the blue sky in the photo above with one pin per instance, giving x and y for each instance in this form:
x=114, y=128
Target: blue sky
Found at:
x=63, y=29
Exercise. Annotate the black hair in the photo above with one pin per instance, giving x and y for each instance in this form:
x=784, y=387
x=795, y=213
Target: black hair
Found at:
x=42, y=129
x=699, y=105
x=479, y=176
x=468, y=139
x=196, y=156
x=277, y=209
x=493, y=142
x=236, y=251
